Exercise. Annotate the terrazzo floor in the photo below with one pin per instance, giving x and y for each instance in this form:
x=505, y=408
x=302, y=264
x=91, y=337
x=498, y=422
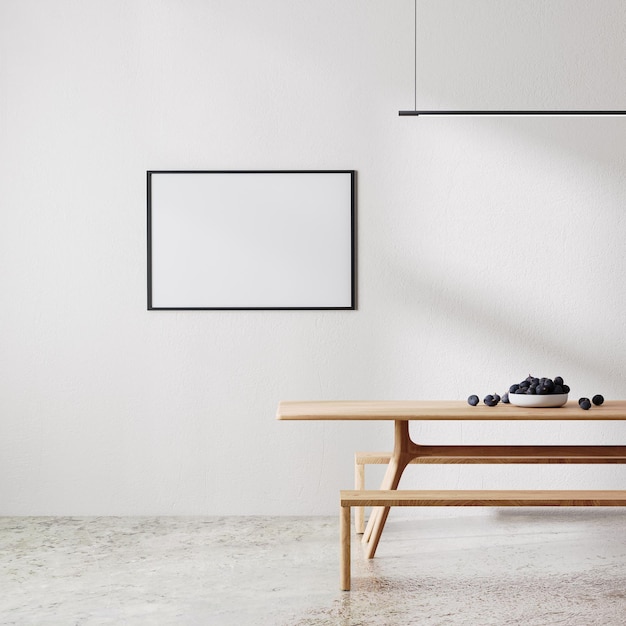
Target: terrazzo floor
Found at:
x=512, y=566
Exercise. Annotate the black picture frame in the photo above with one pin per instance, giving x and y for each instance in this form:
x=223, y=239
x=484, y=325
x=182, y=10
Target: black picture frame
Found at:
x=251, y=240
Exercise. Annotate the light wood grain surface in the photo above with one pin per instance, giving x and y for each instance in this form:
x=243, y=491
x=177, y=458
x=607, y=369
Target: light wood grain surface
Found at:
x=502, y=454
x=484, y=498
x=442, y=410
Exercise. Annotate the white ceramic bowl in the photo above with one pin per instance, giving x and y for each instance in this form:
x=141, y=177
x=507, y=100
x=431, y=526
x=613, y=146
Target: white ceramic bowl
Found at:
x=547, y=400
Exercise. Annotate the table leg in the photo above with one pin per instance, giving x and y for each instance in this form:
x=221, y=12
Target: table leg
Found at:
x=390, y=481
x=404, y=451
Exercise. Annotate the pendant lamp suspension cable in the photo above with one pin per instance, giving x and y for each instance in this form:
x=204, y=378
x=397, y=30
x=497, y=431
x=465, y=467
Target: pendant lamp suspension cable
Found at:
x=415, y=56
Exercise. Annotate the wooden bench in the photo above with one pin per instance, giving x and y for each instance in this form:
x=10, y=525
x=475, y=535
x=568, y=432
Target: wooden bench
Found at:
x=389, y=498
x=484, y=455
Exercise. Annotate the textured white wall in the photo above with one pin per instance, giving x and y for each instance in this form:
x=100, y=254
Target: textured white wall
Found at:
x=487, y=247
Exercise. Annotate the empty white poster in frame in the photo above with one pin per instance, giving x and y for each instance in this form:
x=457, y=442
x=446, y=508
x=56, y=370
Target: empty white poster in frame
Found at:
x=251, y=239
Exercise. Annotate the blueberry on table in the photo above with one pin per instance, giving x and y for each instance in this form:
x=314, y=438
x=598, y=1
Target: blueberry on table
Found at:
x=581, y=400
x=597, y=399
x=489, y=400
x=473, y=400
x=505, y=398
x=585, y=405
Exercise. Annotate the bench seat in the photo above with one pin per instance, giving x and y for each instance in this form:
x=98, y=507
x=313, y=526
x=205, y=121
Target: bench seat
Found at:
x=483, y=497
x=468, y=454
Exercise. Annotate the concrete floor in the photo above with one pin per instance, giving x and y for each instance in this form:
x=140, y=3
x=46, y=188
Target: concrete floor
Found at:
x=512, y=566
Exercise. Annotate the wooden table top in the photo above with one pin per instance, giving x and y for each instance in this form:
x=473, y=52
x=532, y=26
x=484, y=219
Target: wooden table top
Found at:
x=406, y=410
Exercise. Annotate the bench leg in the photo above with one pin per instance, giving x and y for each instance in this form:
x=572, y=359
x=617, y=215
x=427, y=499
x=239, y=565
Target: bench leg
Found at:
x=344, y=560
x=359, y=483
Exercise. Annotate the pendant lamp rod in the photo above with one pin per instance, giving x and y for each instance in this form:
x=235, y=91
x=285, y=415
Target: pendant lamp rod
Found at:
x=417, y=113
x=520, y=112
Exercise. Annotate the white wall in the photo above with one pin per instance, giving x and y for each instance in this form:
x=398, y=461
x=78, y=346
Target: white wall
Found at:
x=488, y=247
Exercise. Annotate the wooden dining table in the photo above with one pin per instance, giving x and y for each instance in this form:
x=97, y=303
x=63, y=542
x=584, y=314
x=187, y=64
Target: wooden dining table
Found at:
x=405, y=450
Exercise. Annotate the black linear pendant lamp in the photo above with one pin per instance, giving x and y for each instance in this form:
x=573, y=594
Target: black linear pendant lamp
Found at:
x=416, y=113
